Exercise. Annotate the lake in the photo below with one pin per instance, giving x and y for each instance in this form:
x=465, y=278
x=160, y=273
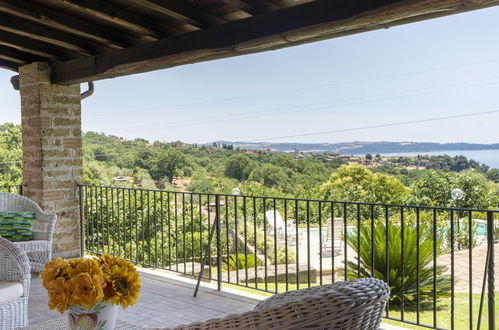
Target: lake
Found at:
x=488, y=157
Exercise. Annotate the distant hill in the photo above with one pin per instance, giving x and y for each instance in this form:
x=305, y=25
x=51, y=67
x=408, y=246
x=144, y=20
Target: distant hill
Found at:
x=351, y=148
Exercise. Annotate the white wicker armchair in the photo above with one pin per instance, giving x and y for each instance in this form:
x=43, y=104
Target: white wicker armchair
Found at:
x=15, y=276
x=38, y=250
x=356, y=304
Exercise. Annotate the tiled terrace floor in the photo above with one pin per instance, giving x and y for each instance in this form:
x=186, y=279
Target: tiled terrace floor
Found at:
x=166, y=300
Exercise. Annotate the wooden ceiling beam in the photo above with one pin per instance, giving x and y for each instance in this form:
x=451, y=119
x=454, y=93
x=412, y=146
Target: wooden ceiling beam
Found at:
x=50, y=53
x=57, y=20
x=243, y=6
x=108, y=12
x=183, y=11
x=12, y=66
x=17, y=56
x=313, y=21
x=50, y=36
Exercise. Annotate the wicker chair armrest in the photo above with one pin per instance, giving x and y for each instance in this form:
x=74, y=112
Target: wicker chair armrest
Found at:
x=14, y=265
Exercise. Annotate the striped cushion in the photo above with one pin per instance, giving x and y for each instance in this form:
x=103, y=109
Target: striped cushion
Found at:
x=16, y=226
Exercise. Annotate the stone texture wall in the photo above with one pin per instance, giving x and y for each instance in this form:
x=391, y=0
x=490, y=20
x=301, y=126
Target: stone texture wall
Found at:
x=52, y=151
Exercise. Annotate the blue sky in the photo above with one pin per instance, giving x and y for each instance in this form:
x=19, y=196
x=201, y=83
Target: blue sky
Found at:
x=438, y=68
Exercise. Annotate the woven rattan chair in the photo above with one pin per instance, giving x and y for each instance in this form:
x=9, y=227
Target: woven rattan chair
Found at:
x=38, y=250
x=355, y=304
x=15, y=276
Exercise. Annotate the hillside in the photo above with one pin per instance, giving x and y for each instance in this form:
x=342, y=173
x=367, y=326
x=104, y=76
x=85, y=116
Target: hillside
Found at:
x=361, y=148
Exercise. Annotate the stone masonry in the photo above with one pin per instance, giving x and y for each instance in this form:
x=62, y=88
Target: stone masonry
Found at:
x=52, y=151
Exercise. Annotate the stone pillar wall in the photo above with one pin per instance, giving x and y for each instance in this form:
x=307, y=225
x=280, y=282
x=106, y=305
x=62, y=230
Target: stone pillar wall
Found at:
x=52, y=151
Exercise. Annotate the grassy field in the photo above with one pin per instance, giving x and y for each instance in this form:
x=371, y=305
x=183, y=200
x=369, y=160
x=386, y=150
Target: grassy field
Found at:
x=461, y=312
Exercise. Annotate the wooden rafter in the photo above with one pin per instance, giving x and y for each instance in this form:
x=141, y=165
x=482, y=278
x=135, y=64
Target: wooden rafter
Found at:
x=35, y=47
x=73, y=25
x=312, y=21
x=9, y=65
x=50, y=36
x=110, y=13
x=14, y=55
x=183, y=11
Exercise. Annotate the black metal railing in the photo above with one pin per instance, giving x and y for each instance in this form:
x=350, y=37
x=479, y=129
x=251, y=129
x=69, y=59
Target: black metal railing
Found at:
x=429, y=256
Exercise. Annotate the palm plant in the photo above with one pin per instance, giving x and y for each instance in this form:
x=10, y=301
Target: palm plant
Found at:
x=401, y=270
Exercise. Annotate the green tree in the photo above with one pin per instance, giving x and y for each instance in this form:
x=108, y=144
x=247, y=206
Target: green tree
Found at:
x=167, y=164
x=354, y=183
x=271, y=176
x=238, y=167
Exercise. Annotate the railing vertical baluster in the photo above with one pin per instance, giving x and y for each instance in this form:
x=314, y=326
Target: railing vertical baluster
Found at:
x=142, y=225
x=417, y=267
x=265, y=241
x=219, y=248
x=452, y=294
x=116, y=227
x=200, y=201
x=286, y=241
x=470, y=265
x=183, y=233
x=192, y=233
x=82, y=225
x=227, y=227
x=402, y=257
x=168, y=202
x=345, y=214
x=255, y=240
x=358, y=240
x=175, y=201
x=491, y=270
x=136, y=227
x=297, y=247
x=209, y=235
x=148, y=194
x=236, y=238
x=320, y=242
x=162, y=208
x=107, y=220
x=308, y=242
x=155, y=207
x=275, y=244
x=373, y=246
x=434, y=268
x=387, y=255
x=332, y=244
x=245, y=216
x=124, y=220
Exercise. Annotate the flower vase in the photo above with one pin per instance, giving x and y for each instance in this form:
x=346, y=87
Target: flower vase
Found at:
x=102, y=316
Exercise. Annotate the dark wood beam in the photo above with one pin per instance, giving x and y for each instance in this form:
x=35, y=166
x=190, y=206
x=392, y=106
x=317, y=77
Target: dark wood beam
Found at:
x=57, y=20
x=183, y=11
x=4, y=64
x=313, y=21
x=50, y=36
x=27, y=45
x=17, y=56
x=244, y=6
x=106, y=11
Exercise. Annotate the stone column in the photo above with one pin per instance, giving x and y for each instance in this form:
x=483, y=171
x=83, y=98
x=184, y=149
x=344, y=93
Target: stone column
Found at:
x=52, y=151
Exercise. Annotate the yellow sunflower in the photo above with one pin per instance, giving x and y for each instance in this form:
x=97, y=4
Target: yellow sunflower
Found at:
x=86, y=290
x=58, y=294
x=124, y=284
x=53, y=269
x=89, y=266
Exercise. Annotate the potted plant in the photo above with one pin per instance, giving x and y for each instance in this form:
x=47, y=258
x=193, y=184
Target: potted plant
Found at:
x=91, y=289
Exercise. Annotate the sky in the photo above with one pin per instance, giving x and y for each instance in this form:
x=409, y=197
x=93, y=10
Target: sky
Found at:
x=377, y=86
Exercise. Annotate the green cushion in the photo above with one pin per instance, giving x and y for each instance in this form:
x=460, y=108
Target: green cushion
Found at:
x=16, y=226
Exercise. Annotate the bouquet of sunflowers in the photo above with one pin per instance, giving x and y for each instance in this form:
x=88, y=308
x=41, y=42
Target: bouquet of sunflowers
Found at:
x=86, y=282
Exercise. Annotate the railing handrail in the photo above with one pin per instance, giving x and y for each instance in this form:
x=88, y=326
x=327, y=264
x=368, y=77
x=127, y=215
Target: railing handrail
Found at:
x=442, y=208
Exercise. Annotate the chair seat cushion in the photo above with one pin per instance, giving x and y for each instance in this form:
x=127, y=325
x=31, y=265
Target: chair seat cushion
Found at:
x=16, y=226
x=10, y=291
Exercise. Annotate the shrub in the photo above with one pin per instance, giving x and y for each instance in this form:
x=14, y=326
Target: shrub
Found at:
x=407, y=285
x=240, y=261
